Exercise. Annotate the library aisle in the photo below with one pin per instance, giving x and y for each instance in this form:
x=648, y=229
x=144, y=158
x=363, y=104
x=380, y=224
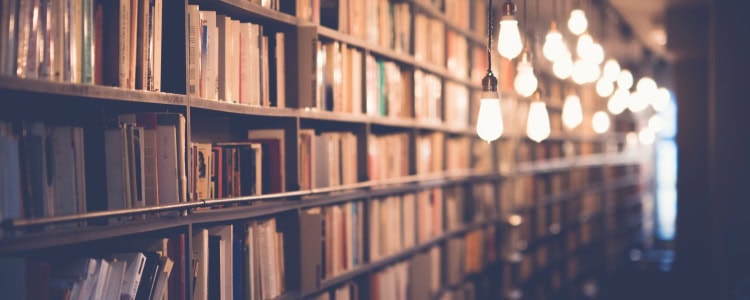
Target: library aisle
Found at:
x=371, y=149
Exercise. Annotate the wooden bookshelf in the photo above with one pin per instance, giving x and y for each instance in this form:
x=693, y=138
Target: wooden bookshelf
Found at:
x=479, y=190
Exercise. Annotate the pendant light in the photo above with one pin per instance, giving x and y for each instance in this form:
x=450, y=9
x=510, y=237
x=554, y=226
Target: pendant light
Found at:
x=554, y=46
x=611, y=70
x=509, y=43
x=563, y=67
x=577, y=22
x=537, y=124
x=525, y=82
x=600, y=122
x=618, y=102
x=661, y=99
x=490, y=118
x=572, y=113
x=625, y=80
x=604, y=87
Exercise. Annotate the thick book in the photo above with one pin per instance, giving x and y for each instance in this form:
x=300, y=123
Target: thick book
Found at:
x=136, y=262
x=117, y=29
x=304, y=40
x=199, y=255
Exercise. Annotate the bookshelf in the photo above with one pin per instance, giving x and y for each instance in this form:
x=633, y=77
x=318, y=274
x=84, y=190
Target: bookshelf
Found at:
x=490, y=184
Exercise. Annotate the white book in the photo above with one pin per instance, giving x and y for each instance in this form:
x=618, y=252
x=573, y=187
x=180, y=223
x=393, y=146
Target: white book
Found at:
x=245, y=63
x=200, y=254
x=194, y=50
x=116, y=277
x=280, y=70
x=234, y=63
x=158, y=25
x=208, y=49
x=64, y=175
x=160, y=288
x=223, y=23
x=213, y=58
x=100, y=278
x=167, y=164
x=255, y=64
x=115, y=168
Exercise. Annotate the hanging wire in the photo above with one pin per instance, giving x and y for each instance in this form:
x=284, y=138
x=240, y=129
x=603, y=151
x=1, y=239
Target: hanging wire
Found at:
x=489, y=38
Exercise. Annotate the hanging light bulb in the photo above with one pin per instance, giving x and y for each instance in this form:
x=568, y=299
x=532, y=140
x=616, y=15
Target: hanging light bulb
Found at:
x=600, y=122
x=646, y=136
x=611, y=70
x=509, y=43
x=661, y=99
x=577, y=22
x=618, y=102
x=625, y=80
x=646, y=85
x=563, y=67
x=572, y=113
x=656, y=123
x=604, y=87
x=595, y=53
x=585, y=71
x=490, y=117
x=553, y=44
x=583, y=47
x=638, y=101
x=537, y=124
x=525, y=82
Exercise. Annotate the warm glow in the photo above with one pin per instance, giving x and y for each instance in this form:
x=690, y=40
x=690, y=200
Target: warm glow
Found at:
x=537, y=125
x=618, y=102
x=577, y=22
x=595, y=53
x=638, y=101
x=661, y=99
x=646, y=136
x=625, y=80
x=646, y=85
x=656, y=123
x=563, y=67
x=490, y=118
x=585, y=72
x=611, y=70
x=604, y=88
x=526, y=82
x=631, y=139
x=509, y=43
x=554, y=47
x=572, y=114
x=600, y=122
x=583, y=48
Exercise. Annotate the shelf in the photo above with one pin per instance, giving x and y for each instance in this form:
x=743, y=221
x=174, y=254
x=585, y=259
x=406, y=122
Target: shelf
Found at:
x=244, y=9
x=57, y=238
x=243, y=109
x=561, y=164
x=432, y=12
x=85, y=91
x=327, y=284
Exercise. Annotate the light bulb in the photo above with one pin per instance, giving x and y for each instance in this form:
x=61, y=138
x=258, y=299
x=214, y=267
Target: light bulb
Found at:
x=525, y=82
x=611, y=70
x=577, y=22
x=656, y=123
x=646, y=136
x=661, y=99
x=631, y=139
x=646, y=85
x=618, y=102
x=490, y=118
x=625, y=80
x=600, y=122
x=585, y=71
x=553, y=45
x=638, y=101
x=604, y=87
x=572, y=114
x=595, y=53
x=563, y=67
x=537, y=124
x=583, y=47
x=509, y=43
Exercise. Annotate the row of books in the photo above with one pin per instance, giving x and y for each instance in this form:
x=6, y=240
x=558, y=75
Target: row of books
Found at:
x=430, y=153
x=339, y=84
x=233, y=61
x=155, y=273
x=429, y=40
x=381, y=22
x=328, y=159
x=455, y=153
x=456, y=105
x=145, y=160
x=389, y=89
x=43, y=173
x=428, y=95
x=388, y=156
x=342, y=247
x=457, y=53
x=238, y=261
x=117, y=43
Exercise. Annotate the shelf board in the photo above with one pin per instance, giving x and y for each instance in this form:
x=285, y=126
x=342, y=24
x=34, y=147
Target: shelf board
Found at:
x=247, y=10
x=85, y=91
x=243, y=109
x=560, y=164
x=57, y=238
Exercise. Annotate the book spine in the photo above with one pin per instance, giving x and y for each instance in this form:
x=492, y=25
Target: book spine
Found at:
x=88, y=42
x=193, y=50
